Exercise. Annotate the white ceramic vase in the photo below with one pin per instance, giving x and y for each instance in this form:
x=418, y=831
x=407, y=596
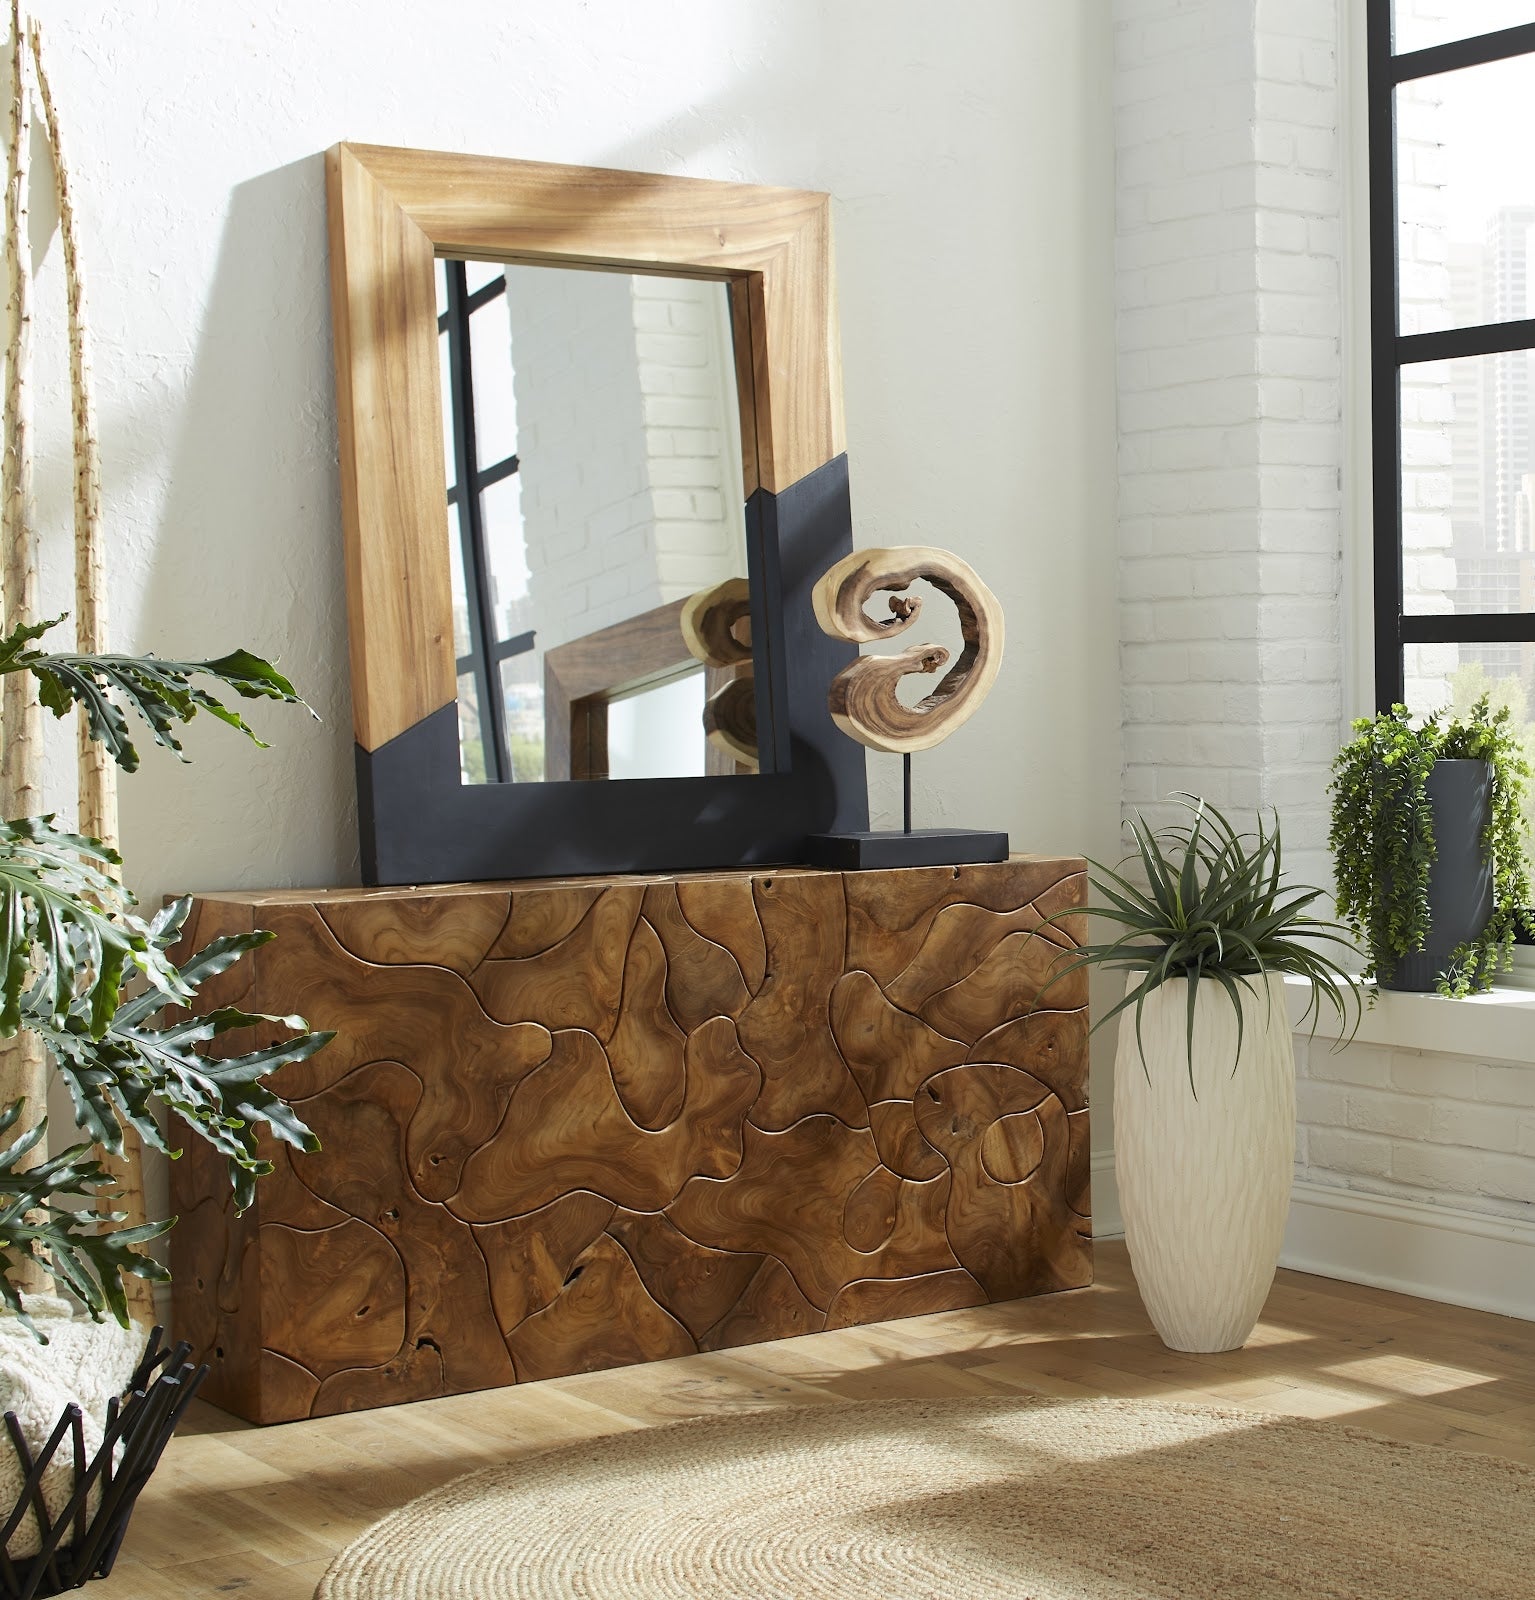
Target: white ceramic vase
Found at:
x=1205, y=1171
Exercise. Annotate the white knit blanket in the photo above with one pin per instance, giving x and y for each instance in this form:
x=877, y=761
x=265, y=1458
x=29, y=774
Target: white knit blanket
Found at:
x=85, y=1362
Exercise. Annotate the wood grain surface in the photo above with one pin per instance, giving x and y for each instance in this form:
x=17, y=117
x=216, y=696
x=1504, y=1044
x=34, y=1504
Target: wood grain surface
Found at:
x=771, y=245
x=389, y=422
x=390, y=212
x=572, y=1125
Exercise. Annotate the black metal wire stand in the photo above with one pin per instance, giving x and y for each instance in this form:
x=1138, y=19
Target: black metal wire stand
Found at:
x=82, y=1545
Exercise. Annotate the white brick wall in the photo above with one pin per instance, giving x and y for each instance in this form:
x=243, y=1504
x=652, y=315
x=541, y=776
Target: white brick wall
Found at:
x=585, y=487
x=1418, y=1126
x=1229, y=319
x=629, y=438
x=692, y=433
x=1229, y=273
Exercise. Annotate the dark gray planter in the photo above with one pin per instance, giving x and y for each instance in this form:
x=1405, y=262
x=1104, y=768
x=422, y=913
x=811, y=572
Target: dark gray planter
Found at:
x=1460, y=881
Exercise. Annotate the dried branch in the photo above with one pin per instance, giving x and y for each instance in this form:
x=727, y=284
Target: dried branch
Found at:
x=98, y=774
x=22, y=1061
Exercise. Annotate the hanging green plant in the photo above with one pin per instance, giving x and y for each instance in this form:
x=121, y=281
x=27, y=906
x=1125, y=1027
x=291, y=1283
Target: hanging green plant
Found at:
x=1384, y=849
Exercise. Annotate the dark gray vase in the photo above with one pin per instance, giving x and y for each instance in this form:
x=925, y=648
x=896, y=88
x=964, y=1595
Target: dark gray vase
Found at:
x=1460, y=881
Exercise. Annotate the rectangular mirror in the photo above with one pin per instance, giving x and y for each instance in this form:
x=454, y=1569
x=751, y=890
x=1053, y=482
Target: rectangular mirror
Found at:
x=580, y=608
x=592, y=443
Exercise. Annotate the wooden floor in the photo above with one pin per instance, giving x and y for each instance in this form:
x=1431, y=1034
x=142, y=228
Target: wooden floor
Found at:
x=259, y=1512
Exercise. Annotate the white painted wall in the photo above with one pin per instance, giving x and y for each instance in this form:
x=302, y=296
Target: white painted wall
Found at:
x=972, y=173
x=970, y=156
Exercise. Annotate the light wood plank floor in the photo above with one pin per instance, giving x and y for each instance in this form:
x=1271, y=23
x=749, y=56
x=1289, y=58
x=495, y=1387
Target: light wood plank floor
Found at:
x=258, y=1512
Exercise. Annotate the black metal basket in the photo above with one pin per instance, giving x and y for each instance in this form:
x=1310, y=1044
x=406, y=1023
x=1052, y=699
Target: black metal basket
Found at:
x=82, y=1544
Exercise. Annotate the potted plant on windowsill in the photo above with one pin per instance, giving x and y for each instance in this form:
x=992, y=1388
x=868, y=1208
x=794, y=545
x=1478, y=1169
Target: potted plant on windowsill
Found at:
x=1204, y=1075
x=1428, y=838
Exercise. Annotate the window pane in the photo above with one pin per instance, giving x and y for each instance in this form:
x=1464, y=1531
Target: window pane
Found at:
x=1454, y=677
x=495, y=406
x=471, y=743
x=1420, y=23
x=523, y=685
x=460, y=588
x=1468, y=481
x=442, y=287
x=1466, y=195
x=478, y=273
x=445, y=369
x=506, y=550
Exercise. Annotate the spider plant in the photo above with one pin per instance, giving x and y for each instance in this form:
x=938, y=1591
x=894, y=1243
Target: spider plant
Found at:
x=1215, y=909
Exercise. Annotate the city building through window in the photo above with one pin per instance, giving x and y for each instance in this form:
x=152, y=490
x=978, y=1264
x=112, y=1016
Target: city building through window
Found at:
x=1452, y=223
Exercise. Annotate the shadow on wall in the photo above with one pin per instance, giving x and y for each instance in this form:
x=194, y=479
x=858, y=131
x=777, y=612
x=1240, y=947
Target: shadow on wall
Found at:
x=248, y=552
x=248, y=548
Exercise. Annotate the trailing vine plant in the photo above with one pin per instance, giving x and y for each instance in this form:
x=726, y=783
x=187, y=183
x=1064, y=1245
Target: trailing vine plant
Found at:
x=1383, y=845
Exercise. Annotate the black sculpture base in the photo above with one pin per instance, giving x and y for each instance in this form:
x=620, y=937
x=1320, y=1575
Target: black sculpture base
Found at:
x=922, y=847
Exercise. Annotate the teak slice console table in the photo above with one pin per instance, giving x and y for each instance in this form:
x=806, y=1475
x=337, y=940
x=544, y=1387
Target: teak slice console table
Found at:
x=570, y=1124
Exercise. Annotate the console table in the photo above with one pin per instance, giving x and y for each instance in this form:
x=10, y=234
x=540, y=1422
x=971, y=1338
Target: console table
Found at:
x=575, y=1123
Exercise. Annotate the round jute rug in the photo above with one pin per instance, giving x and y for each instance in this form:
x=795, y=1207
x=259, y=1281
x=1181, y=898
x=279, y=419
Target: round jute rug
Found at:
x=965, y=1500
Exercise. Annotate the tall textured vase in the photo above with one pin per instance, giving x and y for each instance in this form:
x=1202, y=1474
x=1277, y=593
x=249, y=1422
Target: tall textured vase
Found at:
x=1204, y=1170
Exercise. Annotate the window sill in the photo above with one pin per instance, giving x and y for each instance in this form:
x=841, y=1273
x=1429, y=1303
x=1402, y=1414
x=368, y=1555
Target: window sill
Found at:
x=1497, y=1026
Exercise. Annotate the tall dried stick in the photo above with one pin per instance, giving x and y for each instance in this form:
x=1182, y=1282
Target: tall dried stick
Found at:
x=20, y=762
x=21, y=1057
x=98, y=776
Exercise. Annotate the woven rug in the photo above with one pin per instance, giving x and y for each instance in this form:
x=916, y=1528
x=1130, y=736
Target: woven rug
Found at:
x=965, y=1500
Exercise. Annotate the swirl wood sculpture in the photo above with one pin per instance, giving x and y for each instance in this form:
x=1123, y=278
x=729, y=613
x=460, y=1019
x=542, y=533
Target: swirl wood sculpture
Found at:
x=573, y=1124
x=863, y=695
x=716, y=627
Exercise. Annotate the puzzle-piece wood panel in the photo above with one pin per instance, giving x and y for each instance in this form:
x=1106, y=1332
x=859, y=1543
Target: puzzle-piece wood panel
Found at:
x=574, y=1124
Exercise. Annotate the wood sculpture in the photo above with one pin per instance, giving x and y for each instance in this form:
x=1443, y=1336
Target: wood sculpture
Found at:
x=573, y=1124
x=716, y=627
x=863, y=697
x=864, y=703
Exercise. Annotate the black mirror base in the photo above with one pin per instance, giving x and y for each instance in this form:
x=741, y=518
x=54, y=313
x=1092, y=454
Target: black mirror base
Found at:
x=923, y=847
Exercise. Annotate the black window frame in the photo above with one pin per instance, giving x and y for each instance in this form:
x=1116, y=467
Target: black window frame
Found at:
x=1391, y=350
x=486, y=650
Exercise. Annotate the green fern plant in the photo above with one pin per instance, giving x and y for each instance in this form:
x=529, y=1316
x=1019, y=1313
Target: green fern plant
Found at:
x=1383, y=845
x=1215, y=909
x=92, y=979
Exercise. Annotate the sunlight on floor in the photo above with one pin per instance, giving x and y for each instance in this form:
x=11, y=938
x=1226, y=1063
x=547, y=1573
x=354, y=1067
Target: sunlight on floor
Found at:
x=1407, y=1377
x=1268, y=1334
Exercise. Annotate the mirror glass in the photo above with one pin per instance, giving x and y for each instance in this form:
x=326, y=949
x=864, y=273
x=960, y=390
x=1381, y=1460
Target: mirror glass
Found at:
x=596, y=525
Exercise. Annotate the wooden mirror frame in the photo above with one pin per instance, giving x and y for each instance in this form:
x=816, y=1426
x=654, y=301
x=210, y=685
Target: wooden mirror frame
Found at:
x=391, y=213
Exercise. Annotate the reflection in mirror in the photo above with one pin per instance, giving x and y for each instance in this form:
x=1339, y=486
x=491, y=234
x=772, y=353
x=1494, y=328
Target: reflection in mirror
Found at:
x=652, y=733
x=596, y=525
